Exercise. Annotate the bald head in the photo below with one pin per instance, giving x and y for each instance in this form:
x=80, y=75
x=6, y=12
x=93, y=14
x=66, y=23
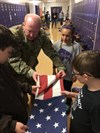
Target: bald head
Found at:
x=33, y=18
x=31, y=26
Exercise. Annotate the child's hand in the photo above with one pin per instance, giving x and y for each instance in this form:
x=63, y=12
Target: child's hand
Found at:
x=65, y=93
x=69, y=94
x=20, y=127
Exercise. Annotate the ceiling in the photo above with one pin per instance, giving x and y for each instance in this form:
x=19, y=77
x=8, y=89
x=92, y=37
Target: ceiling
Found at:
x=48, y=0
x=31, y=1
x=54, y=0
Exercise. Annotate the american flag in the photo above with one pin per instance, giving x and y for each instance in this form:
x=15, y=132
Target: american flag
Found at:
x=50, y=86
x=48, y=115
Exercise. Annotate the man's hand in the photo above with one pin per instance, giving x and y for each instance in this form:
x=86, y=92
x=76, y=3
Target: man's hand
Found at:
x=20, y=127
x=34, y=88
x=35, y=75
x=62, y=73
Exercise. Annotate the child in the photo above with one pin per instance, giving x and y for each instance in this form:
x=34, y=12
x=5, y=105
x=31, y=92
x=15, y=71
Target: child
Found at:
x=67, y=51
x=85, y=116
x=13, y=111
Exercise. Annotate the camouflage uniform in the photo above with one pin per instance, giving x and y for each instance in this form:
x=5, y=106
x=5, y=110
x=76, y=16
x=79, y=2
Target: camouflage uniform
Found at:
x=25, y=60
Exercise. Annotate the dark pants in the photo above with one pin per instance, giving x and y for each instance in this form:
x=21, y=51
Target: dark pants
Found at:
x=61, y=21
x=48, y=23
x=54, y=21
x=67, y=86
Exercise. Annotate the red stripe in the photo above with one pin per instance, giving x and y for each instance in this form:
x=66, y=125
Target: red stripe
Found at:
x=43, y=83
x=48, y=93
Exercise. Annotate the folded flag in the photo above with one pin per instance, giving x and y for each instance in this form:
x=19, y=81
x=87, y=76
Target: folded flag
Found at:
x=50, y=86
x=48, y=113
x=48, y=116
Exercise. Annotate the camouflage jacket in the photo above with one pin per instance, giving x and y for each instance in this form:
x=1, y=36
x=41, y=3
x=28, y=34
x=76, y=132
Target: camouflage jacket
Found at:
x=24, y=60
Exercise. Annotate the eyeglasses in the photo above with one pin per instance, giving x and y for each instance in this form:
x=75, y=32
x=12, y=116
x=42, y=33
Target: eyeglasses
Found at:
x=74, y=73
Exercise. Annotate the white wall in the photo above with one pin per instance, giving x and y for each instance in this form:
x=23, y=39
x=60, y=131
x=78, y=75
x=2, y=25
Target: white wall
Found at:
x=32, y=8
x=70, y=9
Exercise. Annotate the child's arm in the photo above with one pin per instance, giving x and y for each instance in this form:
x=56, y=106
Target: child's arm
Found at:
x=69, y=94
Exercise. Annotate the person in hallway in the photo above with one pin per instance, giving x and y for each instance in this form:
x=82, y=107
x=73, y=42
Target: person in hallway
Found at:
x=67, y=51
x=31, y=40
x=67, y=15
x=13, y=110
x=85, y=115
x=54, y=18
x=47, y=19
x=61, y=17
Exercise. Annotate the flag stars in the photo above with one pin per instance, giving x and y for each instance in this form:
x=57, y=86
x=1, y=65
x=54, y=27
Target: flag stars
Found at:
x=31, y=116
x=35, y=105
x=48, y=118
x=56, y=125
x=39, y=125
x=64, y=130
x=27, y=132
x=63, y=100
x=63, y=114
x=56, y=109
x=41, y=110
x=48, y=109
x=49, y=104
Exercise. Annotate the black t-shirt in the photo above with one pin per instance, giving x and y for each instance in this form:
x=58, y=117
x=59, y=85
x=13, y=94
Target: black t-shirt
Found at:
x=85, y=114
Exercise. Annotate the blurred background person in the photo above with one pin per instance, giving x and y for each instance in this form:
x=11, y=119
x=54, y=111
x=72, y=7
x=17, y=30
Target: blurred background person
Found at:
x=61, y=18
x=47, y=19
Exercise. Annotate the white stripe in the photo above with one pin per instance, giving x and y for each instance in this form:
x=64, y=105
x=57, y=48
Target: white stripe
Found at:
x=51, y=79
x=56, y=89
x=38, y=84
x=41, y=96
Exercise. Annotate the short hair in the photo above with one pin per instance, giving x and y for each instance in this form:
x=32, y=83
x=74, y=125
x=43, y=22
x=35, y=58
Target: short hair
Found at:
x=88, y=62
x=67, y=27
x=7, y=38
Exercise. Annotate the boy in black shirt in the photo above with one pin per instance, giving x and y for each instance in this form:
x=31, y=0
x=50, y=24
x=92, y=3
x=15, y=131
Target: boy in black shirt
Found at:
x=85, y=115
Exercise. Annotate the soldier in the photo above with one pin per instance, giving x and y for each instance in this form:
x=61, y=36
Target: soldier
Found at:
x=31, y=40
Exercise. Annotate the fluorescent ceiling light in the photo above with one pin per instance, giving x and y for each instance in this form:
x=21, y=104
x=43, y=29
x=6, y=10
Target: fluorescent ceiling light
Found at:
x=35, y=1
x=12, y=1
x=77, y=1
